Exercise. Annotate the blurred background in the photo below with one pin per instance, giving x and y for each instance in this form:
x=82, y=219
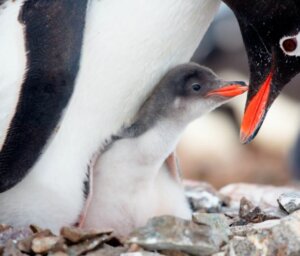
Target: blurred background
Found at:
x=210, y=149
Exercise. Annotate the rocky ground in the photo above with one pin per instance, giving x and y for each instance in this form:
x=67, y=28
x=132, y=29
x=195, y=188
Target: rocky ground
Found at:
x=239, y=219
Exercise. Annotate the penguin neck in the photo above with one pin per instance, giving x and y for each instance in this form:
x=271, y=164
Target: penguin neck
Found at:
x=161, y=140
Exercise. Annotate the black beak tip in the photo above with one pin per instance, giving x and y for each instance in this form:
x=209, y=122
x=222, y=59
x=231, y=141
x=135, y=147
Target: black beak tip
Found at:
x=242, y=83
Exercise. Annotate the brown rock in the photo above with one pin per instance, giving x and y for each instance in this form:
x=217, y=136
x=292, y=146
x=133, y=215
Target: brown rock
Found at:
x=76, y=235
x=25, y=244
x=44, y=244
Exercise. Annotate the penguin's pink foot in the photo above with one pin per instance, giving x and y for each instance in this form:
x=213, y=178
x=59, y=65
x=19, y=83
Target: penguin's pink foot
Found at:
x=85, y=210
x=173, y=167
x=88, y=200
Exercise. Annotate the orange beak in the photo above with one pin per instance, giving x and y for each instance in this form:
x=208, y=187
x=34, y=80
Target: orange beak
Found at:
x=229, y=91
x=256, y=110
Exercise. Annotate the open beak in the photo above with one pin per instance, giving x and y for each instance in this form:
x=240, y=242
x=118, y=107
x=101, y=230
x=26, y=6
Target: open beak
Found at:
x=256, y=109
x=229, y=90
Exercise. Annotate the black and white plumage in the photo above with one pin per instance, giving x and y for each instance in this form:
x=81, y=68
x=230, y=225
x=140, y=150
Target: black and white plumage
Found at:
x=126, y=47
x=49, y=65
x=270, y=30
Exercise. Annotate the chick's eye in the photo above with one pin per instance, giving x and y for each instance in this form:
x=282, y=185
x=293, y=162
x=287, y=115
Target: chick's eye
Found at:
x=196, y=87
x=290, y=44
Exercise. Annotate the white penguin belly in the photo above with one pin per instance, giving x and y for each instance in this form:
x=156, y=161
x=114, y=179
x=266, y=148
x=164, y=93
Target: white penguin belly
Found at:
x=12, y=62
x=128, y=45
x=129, y=190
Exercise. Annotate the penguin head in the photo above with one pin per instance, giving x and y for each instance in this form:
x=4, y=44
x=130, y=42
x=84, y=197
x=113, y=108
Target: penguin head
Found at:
x=191, y=90
x=271, y=34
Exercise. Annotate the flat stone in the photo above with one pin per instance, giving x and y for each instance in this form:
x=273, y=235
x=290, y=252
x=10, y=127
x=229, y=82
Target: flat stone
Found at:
x=290, y=202
x=250, y=228
x=76, y=235
x=88, y=245
x=260, y=195
x=171, y=233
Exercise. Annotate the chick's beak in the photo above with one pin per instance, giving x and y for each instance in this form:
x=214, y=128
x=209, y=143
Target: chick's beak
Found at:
x=229, y=90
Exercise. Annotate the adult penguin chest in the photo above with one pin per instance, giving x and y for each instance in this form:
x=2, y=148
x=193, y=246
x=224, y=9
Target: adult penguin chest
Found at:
x=127, y=46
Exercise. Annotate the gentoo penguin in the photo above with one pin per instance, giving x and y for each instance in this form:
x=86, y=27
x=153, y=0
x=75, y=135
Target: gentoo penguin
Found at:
x=104, y=59
x=270, y=30
x=126, y=47
x=131, y=181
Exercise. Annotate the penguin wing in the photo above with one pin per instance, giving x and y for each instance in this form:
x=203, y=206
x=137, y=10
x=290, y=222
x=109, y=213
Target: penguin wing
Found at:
x=173, y=167
x=53, y=32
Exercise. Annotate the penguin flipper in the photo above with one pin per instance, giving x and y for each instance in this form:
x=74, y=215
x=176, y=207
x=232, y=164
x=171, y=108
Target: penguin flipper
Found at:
x=53, y=34
x=173, y=167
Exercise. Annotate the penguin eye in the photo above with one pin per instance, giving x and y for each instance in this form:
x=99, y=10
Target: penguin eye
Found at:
x=289, y=45
x=196, y=87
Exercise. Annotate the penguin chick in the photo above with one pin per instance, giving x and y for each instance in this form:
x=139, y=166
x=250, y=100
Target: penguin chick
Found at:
x=132, y=181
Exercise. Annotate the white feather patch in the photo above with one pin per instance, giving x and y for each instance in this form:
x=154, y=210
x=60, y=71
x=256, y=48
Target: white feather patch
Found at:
x=12, y=62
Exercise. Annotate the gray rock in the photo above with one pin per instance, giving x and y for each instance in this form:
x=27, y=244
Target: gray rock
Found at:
x=218, y=223
x=171, y=233
x=283, y=239
x=241, y=246
x=88, y=245
x=203, y=197
x=290, y=202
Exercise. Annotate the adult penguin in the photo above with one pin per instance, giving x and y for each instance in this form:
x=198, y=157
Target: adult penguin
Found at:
x=270, y=30
x=74, y=73
x=79, y=72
